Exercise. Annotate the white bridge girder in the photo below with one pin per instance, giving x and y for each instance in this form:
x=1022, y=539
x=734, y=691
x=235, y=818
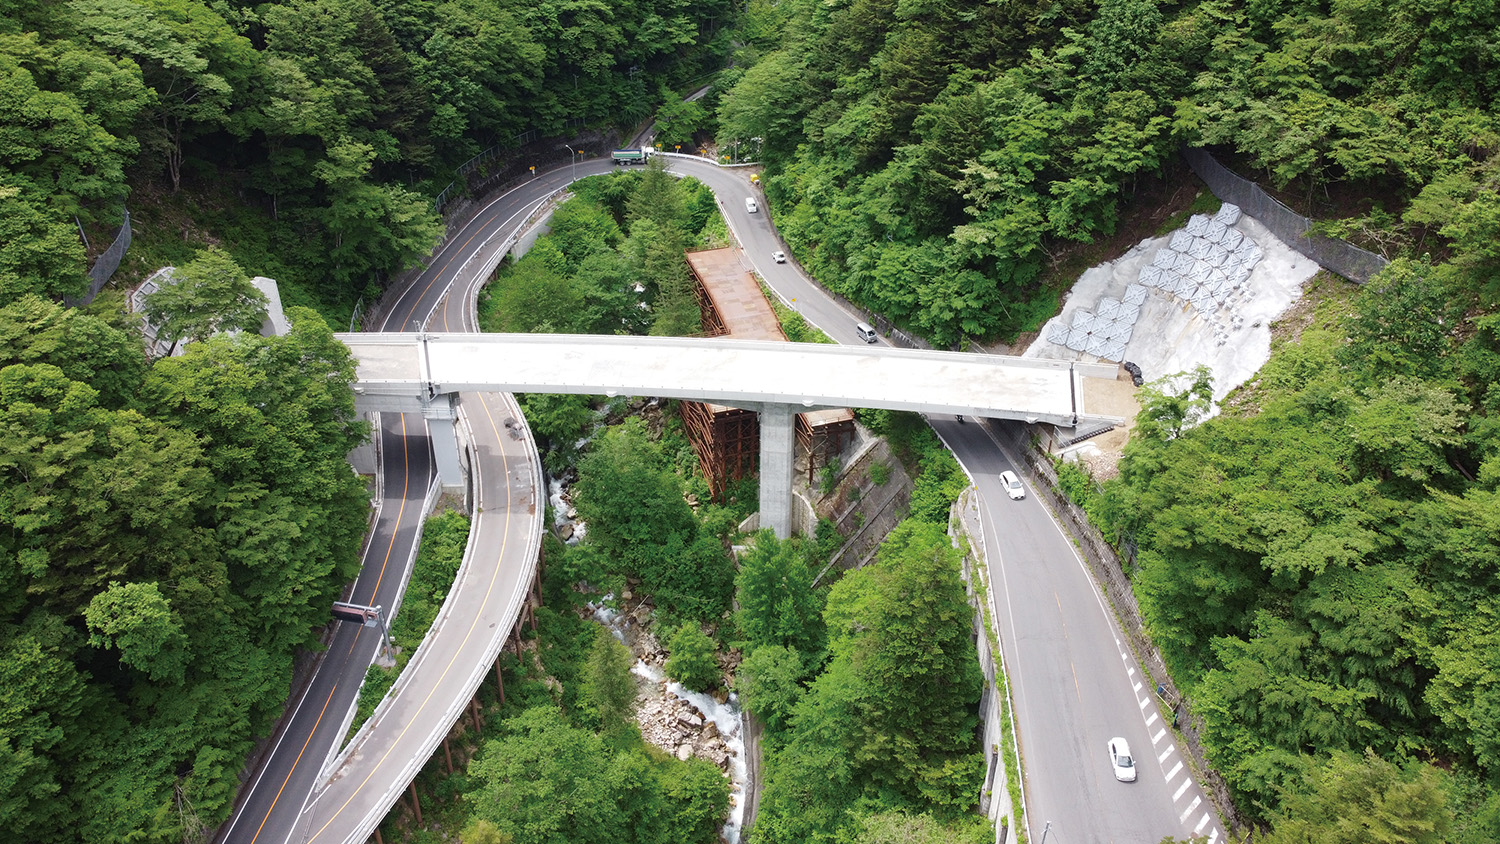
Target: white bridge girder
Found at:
x=421, y=373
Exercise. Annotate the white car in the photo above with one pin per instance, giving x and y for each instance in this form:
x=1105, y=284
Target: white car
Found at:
x=1120, y=760
x=1012, y=484
x=779, y=256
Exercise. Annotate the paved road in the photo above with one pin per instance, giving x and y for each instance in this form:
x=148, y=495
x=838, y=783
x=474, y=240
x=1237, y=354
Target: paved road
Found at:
x=499, y=566
x=1075, y=684
x=274, y=798
x=272, y=806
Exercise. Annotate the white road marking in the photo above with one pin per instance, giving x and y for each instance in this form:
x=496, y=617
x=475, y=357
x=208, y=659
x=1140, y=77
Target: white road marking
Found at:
x=1183, y=818
x=1172, y=773
x=1137, y=686
x=1162, y=759
x=1131, y=672
x=1203, y=821
x=1159, y=733
x=1144, y=702
x=1152, y=720
x=1180, y=789
x=1213, y=835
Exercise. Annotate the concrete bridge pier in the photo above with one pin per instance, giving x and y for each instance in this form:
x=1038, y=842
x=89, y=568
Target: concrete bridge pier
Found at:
x=441, y=416
x=777, y=438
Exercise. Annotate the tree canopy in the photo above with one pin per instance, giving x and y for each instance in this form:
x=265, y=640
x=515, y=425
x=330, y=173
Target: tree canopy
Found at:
x=170, y=538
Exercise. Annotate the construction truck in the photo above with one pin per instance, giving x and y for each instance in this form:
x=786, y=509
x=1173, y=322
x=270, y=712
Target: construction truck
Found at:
x=629, y=156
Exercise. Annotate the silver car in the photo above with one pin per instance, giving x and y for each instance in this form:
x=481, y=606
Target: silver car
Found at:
x=1120, y=760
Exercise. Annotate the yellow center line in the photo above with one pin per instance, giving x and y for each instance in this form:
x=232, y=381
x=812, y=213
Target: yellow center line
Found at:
x=1077, y=690
x=405, y=487
x=416, y=717
x=406, y=482
x=288, y=779
x=444, y=267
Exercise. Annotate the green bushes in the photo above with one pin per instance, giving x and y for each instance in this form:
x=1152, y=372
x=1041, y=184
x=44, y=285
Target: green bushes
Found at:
x=1320, y=573
x=693, y=661
x=641, y=525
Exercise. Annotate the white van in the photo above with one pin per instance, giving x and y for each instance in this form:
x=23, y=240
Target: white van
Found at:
x=866, y=332
x=750, y=204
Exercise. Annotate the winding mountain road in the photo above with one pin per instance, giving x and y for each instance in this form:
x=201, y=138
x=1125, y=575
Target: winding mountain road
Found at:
x=1073, y=683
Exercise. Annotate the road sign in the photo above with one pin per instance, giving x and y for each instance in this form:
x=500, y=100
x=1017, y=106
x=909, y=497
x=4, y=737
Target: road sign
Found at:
x=368, y=616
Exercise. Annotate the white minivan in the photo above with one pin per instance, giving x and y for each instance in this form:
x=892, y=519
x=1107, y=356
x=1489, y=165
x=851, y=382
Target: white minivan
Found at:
x=750, y=204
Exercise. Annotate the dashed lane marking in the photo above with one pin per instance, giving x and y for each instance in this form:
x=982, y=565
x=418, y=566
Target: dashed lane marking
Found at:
x=1152, y=720
x=1162, y=759
x=1203, y=821
x=1144, y=702
x=1172, y=773
x=1180, y=789
x=1159, y=733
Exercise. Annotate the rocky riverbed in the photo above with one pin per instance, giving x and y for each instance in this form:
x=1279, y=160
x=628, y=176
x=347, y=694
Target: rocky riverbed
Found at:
x=678, y=720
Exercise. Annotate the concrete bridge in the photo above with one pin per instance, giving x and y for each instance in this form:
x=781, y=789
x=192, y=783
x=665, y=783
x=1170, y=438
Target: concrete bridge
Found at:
x=423, y=373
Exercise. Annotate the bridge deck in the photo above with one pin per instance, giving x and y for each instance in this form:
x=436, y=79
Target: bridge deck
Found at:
x=403, y=371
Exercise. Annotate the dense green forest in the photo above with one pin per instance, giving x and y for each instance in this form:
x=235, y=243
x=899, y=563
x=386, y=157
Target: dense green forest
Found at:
x=931, y=159
x=868, y=691
x=309, y=134
x=173, y=531
x=1321, y=564
x=171, y=534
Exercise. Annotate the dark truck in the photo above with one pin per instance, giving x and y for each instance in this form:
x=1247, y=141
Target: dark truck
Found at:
x=628, y=156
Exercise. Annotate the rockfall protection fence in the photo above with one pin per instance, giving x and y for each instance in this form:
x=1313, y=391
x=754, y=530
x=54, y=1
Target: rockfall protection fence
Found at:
x=1109, y=570
x=106, y=264
x=1346, y=259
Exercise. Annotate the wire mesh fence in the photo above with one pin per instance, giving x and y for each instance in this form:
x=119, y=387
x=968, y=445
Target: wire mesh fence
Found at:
x=1356, y=264
x=105, y=266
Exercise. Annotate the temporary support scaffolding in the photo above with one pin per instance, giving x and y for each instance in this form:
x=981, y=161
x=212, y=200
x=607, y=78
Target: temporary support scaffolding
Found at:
x=726, y=440
x=823, y=435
